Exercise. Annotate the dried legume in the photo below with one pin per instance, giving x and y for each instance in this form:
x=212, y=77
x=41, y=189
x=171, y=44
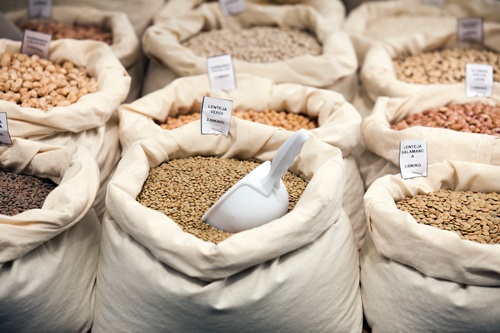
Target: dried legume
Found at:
x=39, y=83
x=60, y=30
x=286, y=120
x=443, y=66
x=470, y=117
x=22, y=192
x=184, y=189
x=255, y=44
x=472, y=215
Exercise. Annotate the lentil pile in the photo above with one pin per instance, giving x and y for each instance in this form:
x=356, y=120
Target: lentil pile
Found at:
x=473, y=216
x=443, y=66
x=60, y=30
x=30, y=81
x=22, y=192
x=255, y=44
x=283, y=119
x=475, y=118
x=184, y=189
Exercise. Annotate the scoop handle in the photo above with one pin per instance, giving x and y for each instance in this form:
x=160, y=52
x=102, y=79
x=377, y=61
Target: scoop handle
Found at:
x=284, y=159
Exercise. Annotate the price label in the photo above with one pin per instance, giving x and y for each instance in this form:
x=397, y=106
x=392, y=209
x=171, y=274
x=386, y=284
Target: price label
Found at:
x=232, y=7
x=438, y=3
x=215, y=115
x=413, y=158
x=470, y=29
x=35, y=42
x=478, y=80
x=4, y=129
x=39, y=9
x=221, y=73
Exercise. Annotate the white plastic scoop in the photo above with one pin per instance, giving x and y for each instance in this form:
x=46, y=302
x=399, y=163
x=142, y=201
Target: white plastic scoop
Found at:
x=260, y=196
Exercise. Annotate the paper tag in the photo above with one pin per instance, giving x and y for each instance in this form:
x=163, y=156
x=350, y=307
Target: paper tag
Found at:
x=470, y=29
x=232, y=7
x=478, y=80
x=39, y=8
x=413, y=158
x=4, y=129
x=439, y=3
x=35, y=42
x=215, y=115
x=221, y=72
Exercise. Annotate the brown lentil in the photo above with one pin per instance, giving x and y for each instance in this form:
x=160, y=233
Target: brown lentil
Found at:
x=22, y=192
x=475, y=118
x=286, y=120
x=39, y=83
x=443, y=66
x=184, y=189
x=472, y=215
x=255, y=44
x=60, y=30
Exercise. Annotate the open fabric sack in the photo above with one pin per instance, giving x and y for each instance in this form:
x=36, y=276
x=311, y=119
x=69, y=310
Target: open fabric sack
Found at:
x=332, y=10
x=374, y=21
x=378, y=75
x=383, y=143
x=48, y=256
x=125, y=45
x=418, y=278
x=339, y=123
x=297, y=273
x=335, y=69
x=91, y=121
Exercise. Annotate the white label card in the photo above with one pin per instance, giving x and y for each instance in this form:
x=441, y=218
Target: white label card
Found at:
x=232, y=7
x=439, y=3
x=413, y=158
x=215, y=115
x=39, y=8
x=4, y=129
x=221, y=73
x=470, y=29
x=35, y=42
x=478, y=80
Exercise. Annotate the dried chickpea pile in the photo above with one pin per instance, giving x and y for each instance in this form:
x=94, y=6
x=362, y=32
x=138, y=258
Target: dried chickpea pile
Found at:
x=22, y=192
x=60, y=30
x=472, y=215
x=443, y=66
x=184, y=189
x=283, y=119
x=255, y=44
x=39, y=83
x=474, y=118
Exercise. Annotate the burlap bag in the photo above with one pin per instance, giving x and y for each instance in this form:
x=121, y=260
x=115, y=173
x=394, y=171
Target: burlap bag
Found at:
x=335, y=69
x=297, y=273
x=339, y=123
x=89, y=121
x=418, y=278
x=125, y=44
x=48, y=256
x=377, y=72
x=332, y=10
x=382, y=142
x=374, y=21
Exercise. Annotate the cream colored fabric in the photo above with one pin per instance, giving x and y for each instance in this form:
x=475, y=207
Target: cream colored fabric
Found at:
x=154, y=277
x=332, y=10
x=88, y=122
x=339, y=122
x=335, y=69
x=374, y=21
x=377, y=72
x=417, y=278
x=48, y=256
x=383, y=142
